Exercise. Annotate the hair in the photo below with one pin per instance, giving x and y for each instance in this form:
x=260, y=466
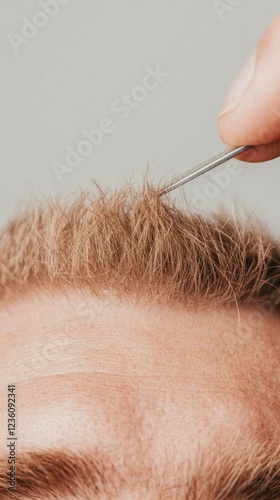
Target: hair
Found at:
x=56, y=474
x=131, y=242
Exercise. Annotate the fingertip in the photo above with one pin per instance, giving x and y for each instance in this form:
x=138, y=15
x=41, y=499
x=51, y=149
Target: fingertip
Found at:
x=262, y=153
x=251, y=112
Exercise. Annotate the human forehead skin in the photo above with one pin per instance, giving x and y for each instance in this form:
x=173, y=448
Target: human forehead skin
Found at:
x=147, y=383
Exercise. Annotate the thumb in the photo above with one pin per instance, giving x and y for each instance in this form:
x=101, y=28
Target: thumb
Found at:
x=251, y=111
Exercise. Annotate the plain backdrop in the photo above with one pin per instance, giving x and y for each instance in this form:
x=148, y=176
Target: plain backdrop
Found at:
x=66, y=66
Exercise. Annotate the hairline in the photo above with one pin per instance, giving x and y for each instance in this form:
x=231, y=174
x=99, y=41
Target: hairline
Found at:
x=130, y=241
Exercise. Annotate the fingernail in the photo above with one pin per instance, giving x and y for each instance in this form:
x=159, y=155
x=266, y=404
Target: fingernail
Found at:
x=240, y=85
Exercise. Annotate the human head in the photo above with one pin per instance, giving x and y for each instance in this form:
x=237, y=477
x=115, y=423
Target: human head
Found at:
x=145, y=341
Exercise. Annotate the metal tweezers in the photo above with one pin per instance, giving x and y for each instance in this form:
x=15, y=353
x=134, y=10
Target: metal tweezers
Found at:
x=204, y=167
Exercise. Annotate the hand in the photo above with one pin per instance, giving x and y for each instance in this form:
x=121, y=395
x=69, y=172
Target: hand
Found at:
x=251, y=111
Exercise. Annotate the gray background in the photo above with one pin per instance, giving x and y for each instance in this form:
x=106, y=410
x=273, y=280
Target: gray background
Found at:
x=66, y=77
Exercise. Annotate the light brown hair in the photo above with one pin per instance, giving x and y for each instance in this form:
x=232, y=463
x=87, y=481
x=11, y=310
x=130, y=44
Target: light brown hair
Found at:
x=138, y=243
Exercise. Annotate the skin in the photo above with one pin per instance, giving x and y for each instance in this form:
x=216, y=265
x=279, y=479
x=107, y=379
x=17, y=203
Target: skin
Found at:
x=148, y=383
x=251, y=111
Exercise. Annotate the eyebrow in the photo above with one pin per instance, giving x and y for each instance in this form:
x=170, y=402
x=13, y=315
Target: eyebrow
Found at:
x=47, y=474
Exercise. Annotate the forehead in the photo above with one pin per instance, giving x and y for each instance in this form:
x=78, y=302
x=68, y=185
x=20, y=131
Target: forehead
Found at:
x=54, y=324
x=139, y=376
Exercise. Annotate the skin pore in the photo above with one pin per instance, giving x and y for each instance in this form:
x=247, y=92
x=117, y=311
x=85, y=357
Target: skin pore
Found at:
x=152, y=387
